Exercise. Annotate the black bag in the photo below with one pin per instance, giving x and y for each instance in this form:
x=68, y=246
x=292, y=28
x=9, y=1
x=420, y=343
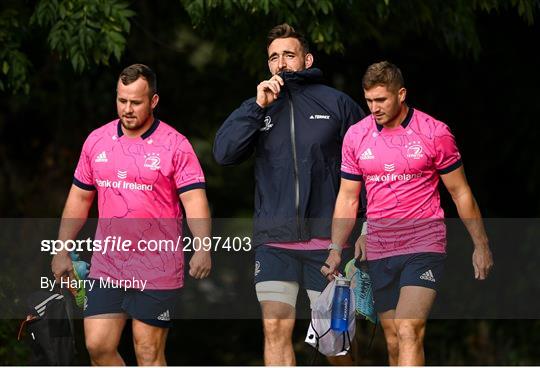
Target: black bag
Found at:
x=49, y=328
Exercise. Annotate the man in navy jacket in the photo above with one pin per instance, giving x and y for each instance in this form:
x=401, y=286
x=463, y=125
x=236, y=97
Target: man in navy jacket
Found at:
x=295, y=127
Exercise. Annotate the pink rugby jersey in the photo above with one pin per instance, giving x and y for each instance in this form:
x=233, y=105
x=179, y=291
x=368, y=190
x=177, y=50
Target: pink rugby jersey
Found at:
x=400, y=168
x=138, y=181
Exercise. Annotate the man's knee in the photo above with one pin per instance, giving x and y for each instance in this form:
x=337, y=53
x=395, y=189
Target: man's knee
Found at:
x=102, y=336
x=278, y=331
x=147, y=352
x=392, y=343
x=410, y=331
x=99, y=347
x=391, y=336
x=149, y=343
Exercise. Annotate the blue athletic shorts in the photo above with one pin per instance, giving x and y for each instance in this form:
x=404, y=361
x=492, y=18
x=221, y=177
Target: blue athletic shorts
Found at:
x=154, y=307
x=301, y=266
x=389, y=275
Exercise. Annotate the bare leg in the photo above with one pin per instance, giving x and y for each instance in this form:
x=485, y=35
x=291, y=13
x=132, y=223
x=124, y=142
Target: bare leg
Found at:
x=149, y=342
x=413, y=308
x=390, y=335
x=278, y=324
x=102, y=335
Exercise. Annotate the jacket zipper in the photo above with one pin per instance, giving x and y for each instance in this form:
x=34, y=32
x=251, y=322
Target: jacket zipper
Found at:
x=295, y=161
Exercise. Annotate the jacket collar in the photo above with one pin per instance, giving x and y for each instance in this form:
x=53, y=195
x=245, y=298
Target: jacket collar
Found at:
x=307, y=76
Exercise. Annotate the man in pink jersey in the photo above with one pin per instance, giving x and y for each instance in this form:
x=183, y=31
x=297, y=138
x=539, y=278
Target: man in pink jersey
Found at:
x=399, y=154
x=143, y=170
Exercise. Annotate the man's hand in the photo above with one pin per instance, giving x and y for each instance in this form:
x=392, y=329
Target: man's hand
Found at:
x=360, y=248
x=62, y=265
x=268, y=90
x=330, y=267
x=200, y=264
x=482, y=262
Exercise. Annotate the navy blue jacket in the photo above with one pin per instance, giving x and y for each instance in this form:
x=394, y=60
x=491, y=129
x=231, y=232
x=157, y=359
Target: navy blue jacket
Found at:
x=297, y=144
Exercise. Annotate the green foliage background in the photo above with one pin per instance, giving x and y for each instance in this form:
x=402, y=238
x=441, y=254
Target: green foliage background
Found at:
x=470, y=63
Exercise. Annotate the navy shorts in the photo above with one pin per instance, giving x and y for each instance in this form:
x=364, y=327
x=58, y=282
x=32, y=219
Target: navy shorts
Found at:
x=154, y=307
x=301, y=266
x=389, y=275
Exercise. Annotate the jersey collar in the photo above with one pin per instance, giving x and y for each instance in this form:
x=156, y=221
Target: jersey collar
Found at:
x=145, y=135
x=404, y=123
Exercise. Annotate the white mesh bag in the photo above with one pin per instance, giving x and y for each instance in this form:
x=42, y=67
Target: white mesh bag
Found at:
x=327, y=341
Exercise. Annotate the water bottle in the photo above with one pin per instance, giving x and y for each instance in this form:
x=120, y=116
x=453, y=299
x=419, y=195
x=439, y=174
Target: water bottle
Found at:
x=341, y=305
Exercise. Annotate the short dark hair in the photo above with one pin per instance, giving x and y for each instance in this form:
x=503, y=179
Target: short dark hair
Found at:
x=285, y=31
x=385, y=74
x=136, y=71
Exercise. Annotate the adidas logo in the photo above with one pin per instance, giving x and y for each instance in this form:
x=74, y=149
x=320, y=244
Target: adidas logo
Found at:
x=165, y=316
x=102, y=157
x=428, y=275
x=367, y=155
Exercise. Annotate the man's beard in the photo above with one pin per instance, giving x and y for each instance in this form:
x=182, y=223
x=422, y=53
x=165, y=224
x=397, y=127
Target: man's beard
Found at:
x=134, y=125
x=288, y=70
